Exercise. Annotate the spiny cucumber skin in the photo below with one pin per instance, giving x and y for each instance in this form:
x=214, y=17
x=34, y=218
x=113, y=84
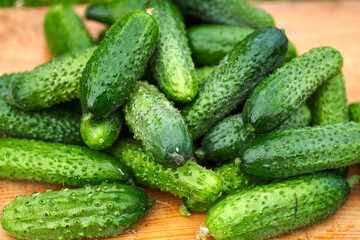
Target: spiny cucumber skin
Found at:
x=54, y=82
x=90, y=212
x=301, y=117
x=23, y=159
x=277, y=208
x=109, y=12
x=191, y=180
x=6, y=83
x=172, y=65
x=50, y=125
x=299, y=151
x=158, y=125
x=203, y=74
x=238, y=73
x=354, y=112
x=65, y=31
x=278, y=95
x=101, y=134
x=227, y=12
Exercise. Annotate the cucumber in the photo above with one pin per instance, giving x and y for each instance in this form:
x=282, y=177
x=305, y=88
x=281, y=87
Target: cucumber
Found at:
x=118, y=62
x=203, y=74
x=54, y=82
x=108, y=12
x=172, y=65
x=191, y=180
x=227, y=12
x=280, y=207
x=238, y=73
x=101, y=134
x=278, y=95
x=65, y=31
x=6, y=83
x=299, y=151
x=354, y=112
x=90, y=212
x=300, y=118
x=24, y=159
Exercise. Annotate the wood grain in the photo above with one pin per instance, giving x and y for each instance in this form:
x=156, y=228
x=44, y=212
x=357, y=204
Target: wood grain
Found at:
x=307, y=24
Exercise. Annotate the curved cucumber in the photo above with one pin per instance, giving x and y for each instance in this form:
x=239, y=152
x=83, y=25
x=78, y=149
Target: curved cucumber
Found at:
x=90, y=212
x=118, y=62
x=6, y=83
x=260, y=53
x=354, y=112
x=23, y=159
x=158, y=125
x=278, y=95
x=203, y=74
x=172, y=65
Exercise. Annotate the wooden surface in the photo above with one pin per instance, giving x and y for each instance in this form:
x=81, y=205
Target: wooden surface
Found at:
x=307, y=24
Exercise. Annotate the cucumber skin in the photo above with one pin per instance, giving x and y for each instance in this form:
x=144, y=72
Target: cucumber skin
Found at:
x=54, y=82
x=65, y=31
x=203, y=74
x=50, y=125
x=238, y=73
x=332, y=146
x=6, y=83
x=286, y=91
x=106, y=83
x=158, y=125
x=191, y=180
x=354, y=112
x=172, y=65
x=227, y=12
x=284, y=206
x=93, y=211
x=23, y=159
x=300, y=118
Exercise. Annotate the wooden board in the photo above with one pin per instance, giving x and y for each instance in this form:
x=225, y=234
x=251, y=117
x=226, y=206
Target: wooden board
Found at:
x=307, y=24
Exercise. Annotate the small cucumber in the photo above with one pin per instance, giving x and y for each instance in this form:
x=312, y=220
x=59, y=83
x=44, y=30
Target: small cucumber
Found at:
x=354, y=112
x=101, y=134
x=6, y=83
x=158, y=125
x=118, y=62
x=65, y=31
x=90, y=212
x=300, y=151
x=172, y=65
x=252, y=59
x=108, y=12
x=23, y=159
x=191, y=180
x=285, y=90
x=280, y=207
x=54, y=82
x=203, y=74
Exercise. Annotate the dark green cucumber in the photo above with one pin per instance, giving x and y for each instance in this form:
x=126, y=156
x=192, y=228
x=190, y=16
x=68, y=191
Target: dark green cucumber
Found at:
x=285, y=90
x=158, y=125
x=204, y=73
x=108, y=12
x=300, y=151
x=90, y=212
x=118, y=62
x=252, y=59
x=51, y=125
x=191, y=180
x=6, y=83
x=227, y=12
x=172, y=65
x=54, y=82
x=354, y=112
x=271, y=210
x=101, y=134
x=65, y=31
x=23, y=159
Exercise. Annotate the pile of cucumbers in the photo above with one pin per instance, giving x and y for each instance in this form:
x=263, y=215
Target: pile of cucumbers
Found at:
x=205, y=99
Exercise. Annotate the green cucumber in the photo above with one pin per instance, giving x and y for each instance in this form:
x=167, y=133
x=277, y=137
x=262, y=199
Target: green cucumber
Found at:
x=90, y=212
x=280, y=207
x=285, y=90
x=191, y=180
x=118, y=62
x=23, y=159
x=54, y=82
x=203, y=74
x=6, y=83
x=299, y=151
x=108, y=12
x=252, y=59
x=300, y=118
x=65, y=31
x=172, y=65
x=158, y=125
x=354, y=112
x=101, y=134
x=227, y=12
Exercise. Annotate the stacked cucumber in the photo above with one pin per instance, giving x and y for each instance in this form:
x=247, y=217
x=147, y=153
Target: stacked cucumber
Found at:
x=184, y=100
